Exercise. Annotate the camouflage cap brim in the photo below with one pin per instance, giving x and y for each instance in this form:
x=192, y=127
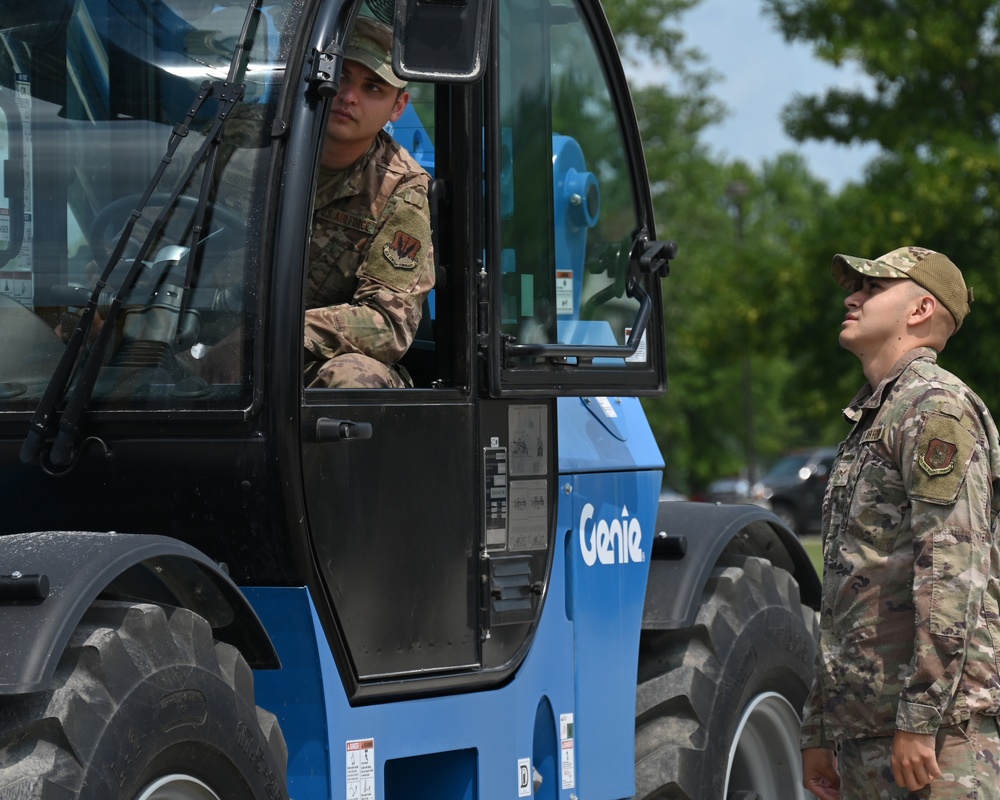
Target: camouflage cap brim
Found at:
x=934, y=271
x=847, y=270
x=371, y=44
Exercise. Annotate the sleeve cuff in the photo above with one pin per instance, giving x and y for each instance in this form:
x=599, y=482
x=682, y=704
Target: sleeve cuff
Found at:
x=917, y=718
x=811, y=734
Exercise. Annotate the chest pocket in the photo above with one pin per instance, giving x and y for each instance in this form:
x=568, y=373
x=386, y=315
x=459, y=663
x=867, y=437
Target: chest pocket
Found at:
x=867, y=499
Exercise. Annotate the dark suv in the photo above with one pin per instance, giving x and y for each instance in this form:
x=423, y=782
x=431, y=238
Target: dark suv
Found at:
x=794, y=487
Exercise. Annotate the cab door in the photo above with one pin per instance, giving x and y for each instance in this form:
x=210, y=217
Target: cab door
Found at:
x=432, y=511
x=390, y=475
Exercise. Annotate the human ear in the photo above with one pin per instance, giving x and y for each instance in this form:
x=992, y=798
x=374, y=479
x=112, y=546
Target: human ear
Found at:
x=923, y=310
x=400, y=106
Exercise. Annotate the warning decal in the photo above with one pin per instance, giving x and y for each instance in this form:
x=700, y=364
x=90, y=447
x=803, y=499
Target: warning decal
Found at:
x=566, y=737
x=18, y=284
x=361, y=769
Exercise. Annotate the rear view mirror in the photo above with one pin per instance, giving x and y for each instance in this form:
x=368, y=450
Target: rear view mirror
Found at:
x=441, y=40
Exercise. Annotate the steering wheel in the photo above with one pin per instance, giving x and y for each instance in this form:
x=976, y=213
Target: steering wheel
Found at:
x=228, y=227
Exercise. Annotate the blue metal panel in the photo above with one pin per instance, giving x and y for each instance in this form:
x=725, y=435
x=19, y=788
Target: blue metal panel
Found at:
x=499, y=725
x=296, y=692
x=611, y=521
x=583, y=659
x=598, y=434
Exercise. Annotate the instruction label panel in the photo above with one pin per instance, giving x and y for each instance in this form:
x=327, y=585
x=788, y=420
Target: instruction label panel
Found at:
x=564, y=291
x=529, y=515
x=529, y=431
x=361, y=769
x=495, y=495
x=568, y=759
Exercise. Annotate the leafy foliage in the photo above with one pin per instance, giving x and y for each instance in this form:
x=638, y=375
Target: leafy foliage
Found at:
x=751, y=311
x=933, y=108
x=735, y=286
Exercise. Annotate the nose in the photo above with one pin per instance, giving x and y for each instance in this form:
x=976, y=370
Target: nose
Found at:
x=855, y=299
x=347, y=91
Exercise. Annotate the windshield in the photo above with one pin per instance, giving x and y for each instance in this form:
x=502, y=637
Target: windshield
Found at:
x=94, y=96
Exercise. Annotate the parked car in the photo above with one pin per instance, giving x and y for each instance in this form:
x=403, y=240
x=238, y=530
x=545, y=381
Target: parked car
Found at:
x=794, y=487
x=729, y=490
x=668, y=493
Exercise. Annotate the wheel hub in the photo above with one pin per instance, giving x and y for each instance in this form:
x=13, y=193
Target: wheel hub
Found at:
x=764, y=758
x=177, y=787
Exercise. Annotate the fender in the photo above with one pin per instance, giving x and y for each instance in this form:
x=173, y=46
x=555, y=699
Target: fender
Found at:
x=76, y=568
x=689, y=540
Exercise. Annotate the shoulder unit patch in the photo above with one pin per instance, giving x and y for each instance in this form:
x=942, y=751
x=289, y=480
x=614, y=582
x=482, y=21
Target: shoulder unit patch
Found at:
x=402, y=251
x=939, y=458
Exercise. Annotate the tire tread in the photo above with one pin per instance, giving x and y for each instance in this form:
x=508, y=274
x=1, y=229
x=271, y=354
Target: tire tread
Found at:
x=48, y=738
x=681, y=672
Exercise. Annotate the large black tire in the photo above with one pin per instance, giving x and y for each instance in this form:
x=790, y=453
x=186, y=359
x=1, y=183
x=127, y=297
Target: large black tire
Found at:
x=718, y=704
x=144, y=705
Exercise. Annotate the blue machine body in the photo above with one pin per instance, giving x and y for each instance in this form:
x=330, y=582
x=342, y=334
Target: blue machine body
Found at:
x=582, y=660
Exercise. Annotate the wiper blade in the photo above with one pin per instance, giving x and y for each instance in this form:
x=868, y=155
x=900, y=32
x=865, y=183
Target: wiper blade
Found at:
x=229, y=93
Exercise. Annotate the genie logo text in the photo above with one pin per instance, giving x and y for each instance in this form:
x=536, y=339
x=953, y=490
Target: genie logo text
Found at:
x=619, y=540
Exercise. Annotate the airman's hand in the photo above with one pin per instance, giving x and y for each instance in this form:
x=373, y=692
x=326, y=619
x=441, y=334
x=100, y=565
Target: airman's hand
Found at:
x=914, y=760
x=819, y=773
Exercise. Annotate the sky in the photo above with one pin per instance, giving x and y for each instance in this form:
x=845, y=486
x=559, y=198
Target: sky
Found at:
x=760, y=74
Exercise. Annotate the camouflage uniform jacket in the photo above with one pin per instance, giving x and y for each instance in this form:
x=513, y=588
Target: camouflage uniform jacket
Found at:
x=910, y=622
x=370, y=260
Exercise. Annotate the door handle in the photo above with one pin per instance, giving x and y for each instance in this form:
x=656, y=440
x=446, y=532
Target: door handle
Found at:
x=341, y=430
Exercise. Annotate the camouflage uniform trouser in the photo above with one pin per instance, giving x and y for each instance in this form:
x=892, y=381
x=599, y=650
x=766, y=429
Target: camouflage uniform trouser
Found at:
x=355, y=371
x=968, y=757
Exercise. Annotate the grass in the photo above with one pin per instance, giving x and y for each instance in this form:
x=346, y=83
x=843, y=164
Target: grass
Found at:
x=814, y=548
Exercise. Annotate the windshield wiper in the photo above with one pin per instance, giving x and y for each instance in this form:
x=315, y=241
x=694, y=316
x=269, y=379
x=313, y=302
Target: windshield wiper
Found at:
x=228, y=93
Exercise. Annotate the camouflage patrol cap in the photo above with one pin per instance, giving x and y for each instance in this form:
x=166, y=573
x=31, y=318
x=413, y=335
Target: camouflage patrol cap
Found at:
x=371, y=44
x=934, y=271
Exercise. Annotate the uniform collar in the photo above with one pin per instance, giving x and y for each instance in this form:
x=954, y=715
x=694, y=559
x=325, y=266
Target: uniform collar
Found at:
x=348, y=182
x=873, y=398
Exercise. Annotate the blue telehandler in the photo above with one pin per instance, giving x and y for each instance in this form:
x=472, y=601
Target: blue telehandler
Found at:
x=229, y=587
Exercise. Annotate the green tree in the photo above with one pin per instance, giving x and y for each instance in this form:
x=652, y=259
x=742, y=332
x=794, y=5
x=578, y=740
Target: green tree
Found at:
x=737, y=280
x=933, y=107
